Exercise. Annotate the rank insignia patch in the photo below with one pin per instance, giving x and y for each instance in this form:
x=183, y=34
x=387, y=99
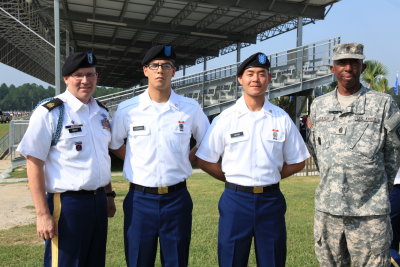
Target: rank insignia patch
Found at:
x=78, y=146
x=105, y=122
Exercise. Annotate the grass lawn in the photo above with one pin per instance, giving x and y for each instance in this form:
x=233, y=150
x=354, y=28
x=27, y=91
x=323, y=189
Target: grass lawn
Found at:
x=19, y=172
x=19, y=246
x=4, y=128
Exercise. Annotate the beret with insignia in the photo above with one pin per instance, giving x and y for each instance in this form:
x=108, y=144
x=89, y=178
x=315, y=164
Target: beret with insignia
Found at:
x=78, y=60
x=258, y=60
x=165, y=52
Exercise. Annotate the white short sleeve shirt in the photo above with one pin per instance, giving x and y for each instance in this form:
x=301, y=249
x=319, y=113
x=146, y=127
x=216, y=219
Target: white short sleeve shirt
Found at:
x=158, y=140
x=397, y=179
x=80, y=159
x=253, y=146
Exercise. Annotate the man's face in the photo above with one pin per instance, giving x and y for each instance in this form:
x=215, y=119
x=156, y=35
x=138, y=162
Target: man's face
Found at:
x=255, y=81
x=82, y=83
x=159, y=74
x=347, y=72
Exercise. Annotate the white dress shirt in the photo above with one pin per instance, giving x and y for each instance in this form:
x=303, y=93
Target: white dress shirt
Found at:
x=397, y=179
x=79, y=160
x=253, y=145
x=158, y=138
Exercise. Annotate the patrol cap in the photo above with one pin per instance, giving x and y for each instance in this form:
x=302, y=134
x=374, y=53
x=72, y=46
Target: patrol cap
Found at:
x=348, y=50
x=165, y=52
x=78, y=60
x=259, y=60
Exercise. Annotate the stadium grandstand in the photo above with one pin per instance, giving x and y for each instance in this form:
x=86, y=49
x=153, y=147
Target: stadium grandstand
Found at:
x=36, y=36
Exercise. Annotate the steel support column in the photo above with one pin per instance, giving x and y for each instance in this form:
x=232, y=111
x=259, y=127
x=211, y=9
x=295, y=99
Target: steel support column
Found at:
x=299, y=68
x=57, y=62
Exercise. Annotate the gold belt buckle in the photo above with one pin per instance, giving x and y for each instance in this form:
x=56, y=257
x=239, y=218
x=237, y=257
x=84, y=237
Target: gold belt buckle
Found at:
x=162, y=190
x=258, y=189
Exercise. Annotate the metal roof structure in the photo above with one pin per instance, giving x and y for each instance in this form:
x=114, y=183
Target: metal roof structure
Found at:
x=120, y=31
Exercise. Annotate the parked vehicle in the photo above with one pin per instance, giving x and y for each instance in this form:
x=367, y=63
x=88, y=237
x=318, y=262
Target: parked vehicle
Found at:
x=5, y=117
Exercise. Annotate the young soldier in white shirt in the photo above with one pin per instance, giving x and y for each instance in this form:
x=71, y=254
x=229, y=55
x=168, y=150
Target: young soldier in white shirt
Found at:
x=157, y=126
x=259, y=146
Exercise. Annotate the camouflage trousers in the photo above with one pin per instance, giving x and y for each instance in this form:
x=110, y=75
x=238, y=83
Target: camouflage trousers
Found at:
x=352, y=241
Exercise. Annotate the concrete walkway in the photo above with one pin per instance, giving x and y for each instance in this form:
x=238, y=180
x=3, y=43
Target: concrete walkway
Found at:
x=5, y=168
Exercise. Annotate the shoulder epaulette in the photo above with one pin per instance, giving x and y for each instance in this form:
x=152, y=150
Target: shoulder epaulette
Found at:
x=101, y=105
x=50, y=105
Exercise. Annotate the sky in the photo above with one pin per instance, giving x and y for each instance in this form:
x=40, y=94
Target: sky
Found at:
x=374, y=23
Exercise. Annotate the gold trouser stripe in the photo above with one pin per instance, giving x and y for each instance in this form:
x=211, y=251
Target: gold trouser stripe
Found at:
x=394, y=262
x=54, y=240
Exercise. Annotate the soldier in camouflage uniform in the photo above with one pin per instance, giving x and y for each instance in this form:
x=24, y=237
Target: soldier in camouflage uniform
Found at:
x=354, y=139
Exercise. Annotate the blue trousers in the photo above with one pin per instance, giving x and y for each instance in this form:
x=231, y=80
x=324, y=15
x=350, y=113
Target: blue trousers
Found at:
x=395, y=219
x=247, y=215
x=82, y=230
x=149, y=218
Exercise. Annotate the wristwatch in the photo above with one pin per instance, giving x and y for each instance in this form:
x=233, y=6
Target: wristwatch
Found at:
x=111, y=194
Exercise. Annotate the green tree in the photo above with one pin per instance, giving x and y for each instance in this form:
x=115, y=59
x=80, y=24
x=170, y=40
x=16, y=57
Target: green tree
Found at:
x=283, y=102
x=101, y=90
x=3, y=90
x=27, y=96
x=374, y=74
x=24, y=97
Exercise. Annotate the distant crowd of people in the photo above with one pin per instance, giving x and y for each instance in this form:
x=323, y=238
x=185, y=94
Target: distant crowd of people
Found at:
x=16, y=114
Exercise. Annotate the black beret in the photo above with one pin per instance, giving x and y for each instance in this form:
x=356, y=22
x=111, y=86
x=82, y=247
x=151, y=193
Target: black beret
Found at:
x=259, y=60
x=159, y=52
x=78, y=60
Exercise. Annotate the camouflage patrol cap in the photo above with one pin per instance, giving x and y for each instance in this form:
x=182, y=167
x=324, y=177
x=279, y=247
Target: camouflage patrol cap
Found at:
x=165, y=52
x=78, y=60
x=348, y=50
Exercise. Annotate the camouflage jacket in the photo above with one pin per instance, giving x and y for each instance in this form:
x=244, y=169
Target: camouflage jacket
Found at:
x=356, y=151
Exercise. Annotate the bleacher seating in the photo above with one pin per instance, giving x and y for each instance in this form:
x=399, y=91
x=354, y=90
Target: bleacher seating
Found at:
x=216, y=89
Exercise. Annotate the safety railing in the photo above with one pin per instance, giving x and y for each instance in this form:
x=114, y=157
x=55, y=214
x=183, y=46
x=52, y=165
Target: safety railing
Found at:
x=300, y=67
x=16, y=132
x=4, y=145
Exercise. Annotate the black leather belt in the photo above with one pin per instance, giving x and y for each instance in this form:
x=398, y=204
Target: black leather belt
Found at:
x=157, y=190
x=396, y=185
x=85, y=192
x=252, y=189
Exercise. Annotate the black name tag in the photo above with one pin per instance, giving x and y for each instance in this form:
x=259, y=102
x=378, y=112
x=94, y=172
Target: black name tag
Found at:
x=367, y=119
x=75, y=130
x=233, y=135
x=137, y=128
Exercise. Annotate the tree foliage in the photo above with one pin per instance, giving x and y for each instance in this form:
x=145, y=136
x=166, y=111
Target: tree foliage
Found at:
x=374, y=74
x=24, y=97
x=27, y=96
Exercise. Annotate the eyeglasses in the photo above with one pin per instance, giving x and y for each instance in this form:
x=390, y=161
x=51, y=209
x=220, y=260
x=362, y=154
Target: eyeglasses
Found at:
x=165, y=66
x=79, y=76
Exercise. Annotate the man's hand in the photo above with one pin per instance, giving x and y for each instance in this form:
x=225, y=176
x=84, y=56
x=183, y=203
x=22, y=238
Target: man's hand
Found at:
x=46, y=226
x=111, y=209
